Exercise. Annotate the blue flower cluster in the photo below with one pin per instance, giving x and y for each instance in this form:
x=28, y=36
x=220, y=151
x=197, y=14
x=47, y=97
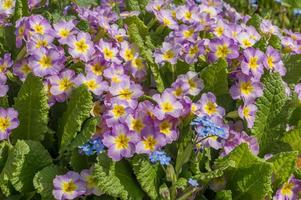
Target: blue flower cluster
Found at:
x=93, y=146
x=205, y=128
x=160, y=156
x=193, y=182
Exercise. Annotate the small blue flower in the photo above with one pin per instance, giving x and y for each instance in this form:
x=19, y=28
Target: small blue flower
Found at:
x=160, y=156
x=193, y=182
x=253, y=3
x=92, y=146
x=205, y=128
x=297, y=11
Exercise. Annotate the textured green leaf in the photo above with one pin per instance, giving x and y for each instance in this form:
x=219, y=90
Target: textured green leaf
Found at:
x=255, y=21
x=269, y=107
x=136, y=5
x=4, y=102
x=5, y=147
x=115, y=179
x=215, y=77
x=21, y=9
x=252, y=176
x=78, y=161
x=293, y=139
x=78, y=110
x=23, y=162
x=148, y=175
x=224, y=195
x=88, y=130
x=275, y=42
x=86, y=3
x=283, y=166
x=43, y=181
x=139, y=34
x=32, y=105
x=292, y=64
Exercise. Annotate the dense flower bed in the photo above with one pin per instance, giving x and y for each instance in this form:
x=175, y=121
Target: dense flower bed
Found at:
x=147, y=100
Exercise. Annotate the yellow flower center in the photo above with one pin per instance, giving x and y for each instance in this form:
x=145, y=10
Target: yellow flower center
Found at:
x=246, y=112
x=126, y=94
x=118, y=111
x=41, y=43
x=166, y=21
x=119, y=38
x=150, y=143
x=193, y=50
x=26, y=69
x=38, y=28
x=167, y=107
x=4, y=124
x=222, y=51
x=65, y=84
x=109, y=54
x=45, y=62
x=81, y=46
x=178, y=91
x=3, y=67
x=91, y=182
x=137, y=125
x=165, y=127
x=253, y=62
x=246, y=43
x=168, y=55
x=122, y=141
x=69, y=187
x=188, y=15
x=210, y=108
x=270, y=62
x=138, y=63
x=246, y=88
x=64, y=33
x=97, y=69
x=7, y=4
x=219, y=31
x=286, y=189
x=188, y=33
x=91, y=84
x=128, y=55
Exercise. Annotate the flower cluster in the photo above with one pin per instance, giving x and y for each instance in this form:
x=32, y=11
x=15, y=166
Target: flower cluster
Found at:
x=73, y=185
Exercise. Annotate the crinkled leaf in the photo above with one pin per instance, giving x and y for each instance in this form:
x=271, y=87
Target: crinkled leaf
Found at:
x=283, y=166
x=293, y=139
x=136, y=5
x=43, y=181
x=115, y=179
x=250, y=178
x=86, y=3
x=21, y=9
x=275, y=42
x=5, y=147
x=269, y=107
x=23, y=162
x=292, y=64
x=86, y=133
x=78, y=110
x=148, y=175
x=224, y=195
x=255, y=21
x=32, y=106
x=215, y=77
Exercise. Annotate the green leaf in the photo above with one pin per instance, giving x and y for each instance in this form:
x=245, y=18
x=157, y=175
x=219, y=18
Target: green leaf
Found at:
x=224, y=195
x=86, y=3
x=21, y=9
x=78, y=161
x=139, y=35
x=275, y=42
x=32, y=105
x=43, y=181
x=148, y=175
x=255, y=21
x=293, y=139
x=88, y=130
x=4, y=102
x=23, y=162
x=292, y=64
x=283, y=166
x=115, y=179
x=252, y=176
x=5, y=147
x=136, y=5
x=269, y=107
x=215, y=77
x=78, y=110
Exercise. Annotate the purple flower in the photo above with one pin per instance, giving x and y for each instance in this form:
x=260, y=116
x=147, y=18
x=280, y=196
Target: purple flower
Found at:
x=298, y=90
x=166, y=18
x=3, y=87
x=246, y=89
x=223, y=48
x=37, y=42
x=208, y=106
x=167, y=105
x=290, y=190
x=108, y=52
x=137, y=68
x=186, y=14
x=7, y=7
x=62, y=84
x=96, y=66
x=186, y=33
x=5, y=63
x=68, y=186
x=267, y=27
x=91, y=186
x=81, y=46
x=248, y=39
x=39, y=25
x=252, y=63
x=120, y=142
x=248, y=112
x=47, y=62
x=168, y=53
x=168, y=128
x=193, y=51
x=195, y=84
x=8, y=122
x=272, y=61
x=94, y=83
x=117, y=112
x=63, y=30
x=127, y=51
x=127, y=91
x=150, y=141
